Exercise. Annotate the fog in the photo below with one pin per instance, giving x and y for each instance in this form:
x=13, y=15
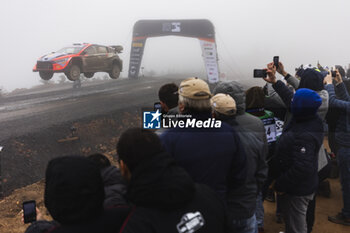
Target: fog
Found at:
x=248, y=33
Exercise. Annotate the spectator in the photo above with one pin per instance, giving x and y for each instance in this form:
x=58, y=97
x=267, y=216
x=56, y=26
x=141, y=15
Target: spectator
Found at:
x=255, y=102
x=313, y=79
x=342, y=137
x=212, y=156
x=297, y=153
x=245, y=120
x=114, y=183
x=74, y=197
x=242, y=201
x=165, y=197
x=169, y=98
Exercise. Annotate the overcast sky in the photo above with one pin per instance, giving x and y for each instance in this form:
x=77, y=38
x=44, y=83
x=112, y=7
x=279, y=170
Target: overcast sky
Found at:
x=248, y=33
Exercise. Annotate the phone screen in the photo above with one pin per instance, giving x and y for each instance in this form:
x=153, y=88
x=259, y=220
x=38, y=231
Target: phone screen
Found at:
x=29, y=211
x=157, y=106
x=276, y=60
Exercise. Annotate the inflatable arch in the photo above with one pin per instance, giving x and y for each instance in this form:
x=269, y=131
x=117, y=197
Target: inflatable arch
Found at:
x=201, y=29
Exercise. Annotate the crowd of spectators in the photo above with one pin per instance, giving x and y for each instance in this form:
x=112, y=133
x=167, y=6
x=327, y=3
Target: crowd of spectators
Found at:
x=213, y=179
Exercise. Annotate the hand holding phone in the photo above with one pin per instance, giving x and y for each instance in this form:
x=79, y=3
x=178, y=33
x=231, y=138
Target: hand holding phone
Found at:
x=29, y=211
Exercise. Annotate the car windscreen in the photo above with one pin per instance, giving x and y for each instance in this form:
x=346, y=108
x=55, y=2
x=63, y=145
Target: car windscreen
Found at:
x=70, y=50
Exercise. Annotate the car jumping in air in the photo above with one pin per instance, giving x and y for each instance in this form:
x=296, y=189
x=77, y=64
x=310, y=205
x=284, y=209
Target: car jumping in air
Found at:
x=81, y=58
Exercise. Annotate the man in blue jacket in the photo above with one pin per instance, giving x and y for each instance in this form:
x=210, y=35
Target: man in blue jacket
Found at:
x=297, y=153
x=211, y=155
x=342, y=138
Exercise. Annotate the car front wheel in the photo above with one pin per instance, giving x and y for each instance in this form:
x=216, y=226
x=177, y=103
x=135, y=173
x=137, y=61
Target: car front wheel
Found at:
x=73, y=73
x=45, y=75
x=115, y=72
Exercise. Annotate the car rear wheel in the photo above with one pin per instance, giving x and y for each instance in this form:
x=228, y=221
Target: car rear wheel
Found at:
x=73, y=73
x=89, y=74
x=115, y=72
x=46, y=75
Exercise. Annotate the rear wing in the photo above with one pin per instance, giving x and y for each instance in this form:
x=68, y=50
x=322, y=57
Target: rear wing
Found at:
x=117, y=48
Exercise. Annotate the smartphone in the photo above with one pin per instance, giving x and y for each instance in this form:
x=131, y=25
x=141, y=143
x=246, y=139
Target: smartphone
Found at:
x=260, y=73
x=29, y=211
x=157, y=106
x=334, y=74
x=276, y=60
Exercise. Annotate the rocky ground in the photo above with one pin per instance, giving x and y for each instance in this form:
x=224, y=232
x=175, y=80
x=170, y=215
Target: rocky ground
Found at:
x=10, y=210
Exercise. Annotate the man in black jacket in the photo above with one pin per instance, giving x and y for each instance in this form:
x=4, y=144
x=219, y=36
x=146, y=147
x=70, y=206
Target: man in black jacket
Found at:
x=165, y=197
x=297, y=153
x=242, y=201
x=74, y=197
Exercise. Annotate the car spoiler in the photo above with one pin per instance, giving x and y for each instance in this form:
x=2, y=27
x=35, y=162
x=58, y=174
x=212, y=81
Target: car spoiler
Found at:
x=117, y=48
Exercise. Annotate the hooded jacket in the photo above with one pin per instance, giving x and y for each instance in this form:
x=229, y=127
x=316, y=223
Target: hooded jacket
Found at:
x=114, y=186
x=242, y=201
x=297, y=149
x=167, y=200
x=245, y=120
x=74, y=197
x=322, y=110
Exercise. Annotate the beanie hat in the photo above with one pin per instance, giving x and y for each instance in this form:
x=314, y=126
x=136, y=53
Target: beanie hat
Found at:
x=224, y=104
x=305, y=103
x=194, y=88
x=312, y=79
x=74, y=189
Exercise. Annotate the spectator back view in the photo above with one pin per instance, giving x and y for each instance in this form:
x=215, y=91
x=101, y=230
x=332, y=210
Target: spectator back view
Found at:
x=212, y=156
x=165, y=197
x=114, y=183
x=74, y=197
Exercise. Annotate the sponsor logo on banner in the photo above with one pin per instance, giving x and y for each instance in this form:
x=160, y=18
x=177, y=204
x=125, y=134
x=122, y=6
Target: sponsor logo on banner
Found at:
x=137, y=44
x=171, y=27
x=176, y=27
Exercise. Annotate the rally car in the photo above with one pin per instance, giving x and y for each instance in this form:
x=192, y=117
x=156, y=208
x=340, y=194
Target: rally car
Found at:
x=81, y=58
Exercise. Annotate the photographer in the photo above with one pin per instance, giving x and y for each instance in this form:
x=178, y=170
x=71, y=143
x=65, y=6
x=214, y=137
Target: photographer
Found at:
x=342, y=137
x=297, y=153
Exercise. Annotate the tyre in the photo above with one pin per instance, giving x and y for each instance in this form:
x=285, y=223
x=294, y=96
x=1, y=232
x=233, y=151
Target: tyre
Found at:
x=46, y=75
x=115, y=72
x=73, y=73
x=89, y=74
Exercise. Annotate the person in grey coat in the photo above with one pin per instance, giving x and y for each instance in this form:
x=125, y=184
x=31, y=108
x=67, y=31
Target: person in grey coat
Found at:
x=242, y=201
x=245, y=120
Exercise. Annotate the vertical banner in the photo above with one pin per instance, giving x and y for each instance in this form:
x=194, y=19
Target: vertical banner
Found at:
x=137, y=47
x=210, y=59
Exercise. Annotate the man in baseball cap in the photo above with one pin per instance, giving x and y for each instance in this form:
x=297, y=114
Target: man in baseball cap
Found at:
x=212, y=156
x=242, y=201
x=194, y=96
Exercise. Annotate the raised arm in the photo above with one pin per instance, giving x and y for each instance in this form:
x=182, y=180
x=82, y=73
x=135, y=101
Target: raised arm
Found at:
x=291, y=80
x=281, y=89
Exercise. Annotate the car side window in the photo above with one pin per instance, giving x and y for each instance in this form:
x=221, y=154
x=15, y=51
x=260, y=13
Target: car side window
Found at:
x=91, y=50
x=101, y=49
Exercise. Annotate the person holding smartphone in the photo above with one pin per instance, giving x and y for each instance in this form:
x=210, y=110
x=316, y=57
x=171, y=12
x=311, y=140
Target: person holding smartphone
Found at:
x=74, y=196
x=342, y=137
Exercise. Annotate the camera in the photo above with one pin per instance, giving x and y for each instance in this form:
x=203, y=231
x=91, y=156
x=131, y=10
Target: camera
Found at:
x=260, y=73
x=29, y=211
x=276, y=61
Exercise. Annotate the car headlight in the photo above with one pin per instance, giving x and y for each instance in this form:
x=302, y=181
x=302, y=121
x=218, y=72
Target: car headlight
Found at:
x=62, y=62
